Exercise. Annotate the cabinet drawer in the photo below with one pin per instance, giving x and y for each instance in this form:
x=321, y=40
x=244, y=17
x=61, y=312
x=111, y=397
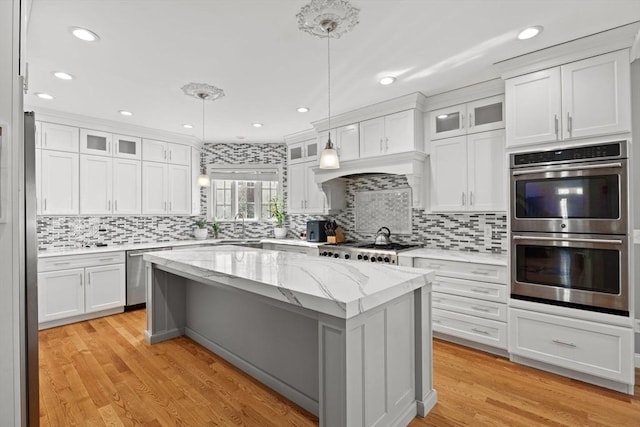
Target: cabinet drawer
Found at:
x=78, y=261
x=464, y=270
x=472, y=328
x=473, y=307
x=471, y=288
x=596, y=349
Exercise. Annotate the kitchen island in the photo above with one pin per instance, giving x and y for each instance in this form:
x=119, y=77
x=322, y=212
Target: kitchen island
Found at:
x=348, y=341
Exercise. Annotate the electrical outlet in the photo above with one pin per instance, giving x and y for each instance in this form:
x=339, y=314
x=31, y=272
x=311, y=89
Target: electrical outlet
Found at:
x=488, y=232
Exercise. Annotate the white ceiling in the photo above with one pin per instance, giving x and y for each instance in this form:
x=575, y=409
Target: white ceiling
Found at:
x=254, y=51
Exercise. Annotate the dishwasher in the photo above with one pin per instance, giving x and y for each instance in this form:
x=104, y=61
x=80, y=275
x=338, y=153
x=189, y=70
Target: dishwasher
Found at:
x=136, y=278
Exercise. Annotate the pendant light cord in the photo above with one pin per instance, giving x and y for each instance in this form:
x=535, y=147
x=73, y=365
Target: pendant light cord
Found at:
x=329, y=78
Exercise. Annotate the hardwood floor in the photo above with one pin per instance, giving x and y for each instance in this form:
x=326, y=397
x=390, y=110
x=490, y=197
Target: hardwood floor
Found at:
x=103, y=373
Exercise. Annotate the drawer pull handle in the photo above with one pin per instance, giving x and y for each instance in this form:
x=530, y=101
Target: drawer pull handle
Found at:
x=61, y=263
x=480, y=331
x=106, y=259
x=434, y=265
x=482, y=272
x=480, y=291
x=437, y=300
x=476, y=308
x=436, y=321
x=568, y=344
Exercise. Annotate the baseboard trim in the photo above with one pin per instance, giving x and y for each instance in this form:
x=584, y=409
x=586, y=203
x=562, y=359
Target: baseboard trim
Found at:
x=79, y=318
x=264, y=377
x=164, y=336
x=427, y=403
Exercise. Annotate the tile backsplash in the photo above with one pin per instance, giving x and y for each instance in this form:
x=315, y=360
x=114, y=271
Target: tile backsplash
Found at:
x=447, y=231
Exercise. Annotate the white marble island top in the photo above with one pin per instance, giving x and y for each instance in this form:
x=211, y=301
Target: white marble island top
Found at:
x=336, y=287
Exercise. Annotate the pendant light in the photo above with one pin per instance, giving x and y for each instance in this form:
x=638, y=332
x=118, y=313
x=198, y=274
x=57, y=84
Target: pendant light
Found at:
x=204, y=92
x=330, y=19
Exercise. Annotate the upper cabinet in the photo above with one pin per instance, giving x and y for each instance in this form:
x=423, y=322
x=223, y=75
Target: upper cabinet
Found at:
x=346, y=140
x=304, y=151
x=127, y=147
x=472, y=117
x=59, y=137
x=60, y=183
x=96, y=142
x=584, y=98
x=394, y=133
x=166, y=152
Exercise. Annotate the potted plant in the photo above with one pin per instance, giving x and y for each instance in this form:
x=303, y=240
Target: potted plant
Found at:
x=276, y=208
x=215, y=228
x=200, y=231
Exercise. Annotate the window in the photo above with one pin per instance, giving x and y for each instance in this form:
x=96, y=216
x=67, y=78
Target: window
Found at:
x=244, y=189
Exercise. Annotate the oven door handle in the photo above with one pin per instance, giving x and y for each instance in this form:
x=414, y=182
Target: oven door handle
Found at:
x=566, y=168
x=555, y=239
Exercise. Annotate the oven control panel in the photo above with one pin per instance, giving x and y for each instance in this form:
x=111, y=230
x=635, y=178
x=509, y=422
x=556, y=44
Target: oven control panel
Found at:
x=372, y=256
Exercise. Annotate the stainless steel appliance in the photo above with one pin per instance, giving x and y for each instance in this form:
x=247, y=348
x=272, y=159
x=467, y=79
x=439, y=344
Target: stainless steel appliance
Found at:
x=569, y=241
x=573, y=190
x=136, y=278
x=370, y=252
x=316, y=231
x=588, y=271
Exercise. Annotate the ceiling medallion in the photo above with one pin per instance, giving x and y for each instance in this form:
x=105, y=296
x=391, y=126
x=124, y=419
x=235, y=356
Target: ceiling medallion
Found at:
x=203, y=91
x=328, y=18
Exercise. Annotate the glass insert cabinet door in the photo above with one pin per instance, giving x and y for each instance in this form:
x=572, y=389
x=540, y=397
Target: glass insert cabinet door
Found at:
x=128, y=147
x=95, y=142
x=477, y=116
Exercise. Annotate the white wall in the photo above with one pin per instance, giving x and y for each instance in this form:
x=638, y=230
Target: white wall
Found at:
x=10, y=414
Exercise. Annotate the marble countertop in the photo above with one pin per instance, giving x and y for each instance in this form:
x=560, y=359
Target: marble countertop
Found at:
x=475, y=257
x=174, y=243
x=336, y=287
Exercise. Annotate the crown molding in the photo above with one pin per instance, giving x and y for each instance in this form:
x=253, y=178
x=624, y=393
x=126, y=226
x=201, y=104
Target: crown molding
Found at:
x=618, y=38
x=465, y=94
x=304, y=135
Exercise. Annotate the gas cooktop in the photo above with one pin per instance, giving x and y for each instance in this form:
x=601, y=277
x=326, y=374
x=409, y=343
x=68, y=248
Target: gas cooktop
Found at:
x=365, y=251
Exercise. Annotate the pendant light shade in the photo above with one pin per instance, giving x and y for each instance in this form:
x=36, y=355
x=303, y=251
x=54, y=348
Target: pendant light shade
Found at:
x=329, y=157
x=203, y=180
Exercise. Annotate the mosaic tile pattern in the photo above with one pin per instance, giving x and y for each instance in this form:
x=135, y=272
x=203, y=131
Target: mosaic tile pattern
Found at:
x=383, y=208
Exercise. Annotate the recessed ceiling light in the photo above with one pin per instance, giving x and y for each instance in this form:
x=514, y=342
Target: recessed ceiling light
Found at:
x=387, y=80
x=84, y=34
x=187, y=126
x=530, y=32
x=442, y=116
x=303, y=110
x=257, y=125
x=125, y=112
x=63, y=76
x=44, y=96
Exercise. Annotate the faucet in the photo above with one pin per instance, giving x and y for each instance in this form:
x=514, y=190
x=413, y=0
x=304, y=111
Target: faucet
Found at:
x=235, y=224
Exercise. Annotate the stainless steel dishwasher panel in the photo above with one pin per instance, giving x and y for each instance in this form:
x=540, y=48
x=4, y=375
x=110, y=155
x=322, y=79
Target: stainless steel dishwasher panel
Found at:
x=136, y=278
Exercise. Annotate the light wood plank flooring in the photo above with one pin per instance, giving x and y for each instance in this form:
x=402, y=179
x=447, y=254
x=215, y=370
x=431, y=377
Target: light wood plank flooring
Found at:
x=103, y=373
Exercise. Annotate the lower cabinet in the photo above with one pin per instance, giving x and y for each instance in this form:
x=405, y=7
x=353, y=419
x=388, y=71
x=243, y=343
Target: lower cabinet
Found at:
x=73, y=288
x=596, y=349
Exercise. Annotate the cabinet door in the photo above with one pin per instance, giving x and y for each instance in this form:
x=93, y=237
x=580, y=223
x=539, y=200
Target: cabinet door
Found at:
x=297, y=186
x=295, y=153
x=178, y=154
x=127, y=186
x=533, y=108
x=127, y=147
x=348, y=142
x=38, y=134
x=38, y=182
x=154, y=182
x=195, y=189
x=487, y=169
x=485, y=114
x=154, y=151
x=96, y=184
x=372, y=137
x=60, y=137
x=105, y=287
x=596, y=96
x=179, y=189
x=399, y=129
x=96, y=142
x=315, y=198
x=60, y=294
x=60, y=183
x=448, y=122
x=312, y=150
x=449, y=174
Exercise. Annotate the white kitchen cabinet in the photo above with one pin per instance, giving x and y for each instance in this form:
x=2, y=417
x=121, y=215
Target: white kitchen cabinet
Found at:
x=195, y=188
x=80, y=287
x=304, y=151
x=60, y=294
x=581, y=99
x=166, y=152
x=96, y=185
x=96, y=142
x=477, y=116
x=60, y=183
x=346, y=140
x=60, y=137
x=166, y=189
x=127, y=147
x=469, y=173
x=304, y=194
x=395, y=133
x=38, y=134
x=38, y=182
x=127, y=187
x=105, y=287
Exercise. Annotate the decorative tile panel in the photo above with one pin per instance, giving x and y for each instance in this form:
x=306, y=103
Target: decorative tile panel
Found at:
x=383, y=208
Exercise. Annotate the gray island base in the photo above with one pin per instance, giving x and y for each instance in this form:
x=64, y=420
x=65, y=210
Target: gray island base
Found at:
x=348, y=341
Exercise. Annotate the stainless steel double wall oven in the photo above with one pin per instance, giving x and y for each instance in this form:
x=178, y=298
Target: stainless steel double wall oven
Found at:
x=569, y=240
